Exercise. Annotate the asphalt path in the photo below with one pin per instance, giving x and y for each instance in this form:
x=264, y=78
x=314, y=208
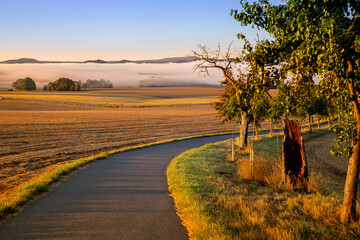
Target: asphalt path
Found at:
x=124, y=196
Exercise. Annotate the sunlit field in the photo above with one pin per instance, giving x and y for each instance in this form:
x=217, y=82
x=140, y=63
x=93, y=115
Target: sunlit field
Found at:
x=35, y=136
x=125, y=96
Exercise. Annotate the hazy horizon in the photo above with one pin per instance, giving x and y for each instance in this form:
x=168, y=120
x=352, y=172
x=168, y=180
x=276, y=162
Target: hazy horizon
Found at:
x=121, y=75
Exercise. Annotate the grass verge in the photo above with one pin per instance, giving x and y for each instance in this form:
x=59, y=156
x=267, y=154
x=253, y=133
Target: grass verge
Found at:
x=215, y=201
x=12, y=202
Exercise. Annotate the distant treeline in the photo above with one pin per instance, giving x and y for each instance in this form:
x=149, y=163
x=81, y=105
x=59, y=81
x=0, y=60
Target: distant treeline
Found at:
x=102, y=83
x=62, y=84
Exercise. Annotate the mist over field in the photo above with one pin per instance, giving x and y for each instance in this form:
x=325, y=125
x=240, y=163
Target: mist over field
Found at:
x=121, y=75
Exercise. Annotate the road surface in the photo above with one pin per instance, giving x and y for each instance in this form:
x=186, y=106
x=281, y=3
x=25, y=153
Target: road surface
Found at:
x=122, y=197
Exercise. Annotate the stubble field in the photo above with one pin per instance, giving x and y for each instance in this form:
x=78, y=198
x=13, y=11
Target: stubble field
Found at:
x=125, y=96
x=36, y=136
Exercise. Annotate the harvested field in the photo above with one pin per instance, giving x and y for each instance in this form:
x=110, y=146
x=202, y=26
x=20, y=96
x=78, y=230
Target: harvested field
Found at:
x=126, y=96
x=35, y=136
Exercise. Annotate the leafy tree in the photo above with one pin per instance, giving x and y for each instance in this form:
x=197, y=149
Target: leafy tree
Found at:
x=227, y=106
x=24, y=84
x=322, y=106
x=324, y=34
x=63, y=84
x=306, y=100
x=229, y=109
x=259, y=110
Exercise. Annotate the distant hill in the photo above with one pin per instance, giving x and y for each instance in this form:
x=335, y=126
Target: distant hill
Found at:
x=168, y=60
x=99, y=61
x=21, y=60
x=95, y=61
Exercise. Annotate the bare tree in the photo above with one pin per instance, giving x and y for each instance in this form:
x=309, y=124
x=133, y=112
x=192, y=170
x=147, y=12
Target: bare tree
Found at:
x=244, y=74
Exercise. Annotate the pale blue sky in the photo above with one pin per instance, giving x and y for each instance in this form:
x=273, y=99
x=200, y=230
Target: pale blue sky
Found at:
x=115, y=29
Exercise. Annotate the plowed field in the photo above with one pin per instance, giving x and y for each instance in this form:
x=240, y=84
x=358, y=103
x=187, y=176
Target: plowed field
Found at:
x=35, y=136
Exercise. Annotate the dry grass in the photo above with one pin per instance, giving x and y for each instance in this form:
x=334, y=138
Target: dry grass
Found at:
x=215, y=202
x=269, y=170
x=261, y=169
x=35, y=136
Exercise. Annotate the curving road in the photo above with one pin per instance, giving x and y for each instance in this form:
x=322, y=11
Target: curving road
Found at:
x=122, y=197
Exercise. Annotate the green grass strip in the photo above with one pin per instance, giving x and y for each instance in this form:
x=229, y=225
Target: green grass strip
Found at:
x=213, y=202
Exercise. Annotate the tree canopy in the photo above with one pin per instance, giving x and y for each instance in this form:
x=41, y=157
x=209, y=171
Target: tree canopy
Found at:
x=24, y=84
x=63, y=84
x=320, y=37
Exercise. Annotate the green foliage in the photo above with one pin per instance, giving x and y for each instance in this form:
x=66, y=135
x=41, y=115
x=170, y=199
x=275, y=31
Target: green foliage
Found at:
x=25, y=84
x=63, y=84
x=317, y=37
x=321, y=37
x=260, y=108
x=227, y=107
x=345, y=137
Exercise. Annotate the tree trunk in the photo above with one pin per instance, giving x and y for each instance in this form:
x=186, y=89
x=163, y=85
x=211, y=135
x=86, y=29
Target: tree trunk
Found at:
x=310, y=130
x=256, y=132
x=244, y=126
x=295, y=165
x=271, y=128
x=348, y=211
x=318, y=122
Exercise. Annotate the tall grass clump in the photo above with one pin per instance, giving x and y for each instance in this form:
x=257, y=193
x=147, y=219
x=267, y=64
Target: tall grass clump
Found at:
x=267, y=170
x=217, y=198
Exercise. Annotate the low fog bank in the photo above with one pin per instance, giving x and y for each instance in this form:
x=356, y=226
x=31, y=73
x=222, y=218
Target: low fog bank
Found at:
x=121, y=75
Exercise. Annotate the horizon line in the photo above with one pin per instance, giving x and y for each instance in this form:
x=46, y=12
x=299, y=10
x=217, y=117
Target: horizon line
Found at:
x=97, y=59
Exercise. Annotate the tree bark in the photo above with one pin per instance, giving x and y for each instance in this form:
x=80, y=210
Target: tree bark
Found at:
x=348, y=211
x=256, y=132
x=271, y=128
x=295, y=165
x=310, y=130
x=244, y=126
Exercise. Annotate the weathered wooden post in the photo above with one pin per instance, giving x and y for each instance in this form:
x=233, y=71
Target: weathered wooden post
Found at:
x=295, y=165
x=233, y=145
